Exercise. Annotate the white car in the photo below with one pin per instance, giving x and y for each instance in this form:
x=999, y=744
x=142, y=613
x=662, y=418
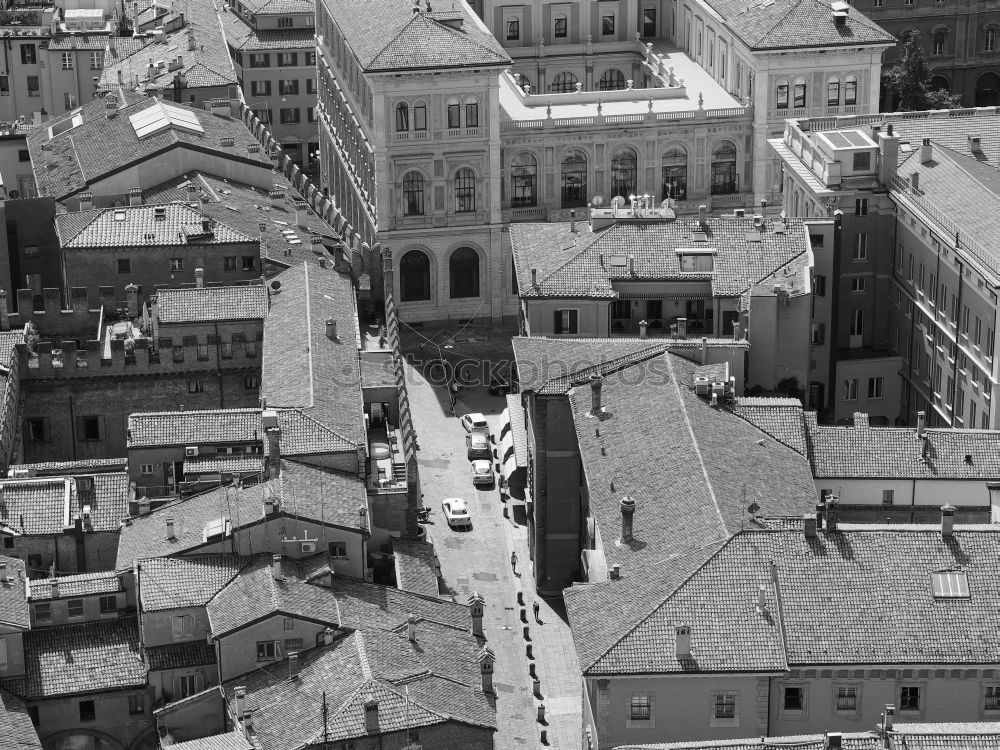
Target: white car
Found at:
x=482, y=473
x=475, y=422
x=456, y=512
x=478, y=446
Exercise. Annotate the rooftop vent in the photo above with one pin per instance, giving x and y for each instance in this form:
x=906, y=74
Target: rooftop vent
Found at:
x=975, y=143
x=840, y=10
x=160, y=213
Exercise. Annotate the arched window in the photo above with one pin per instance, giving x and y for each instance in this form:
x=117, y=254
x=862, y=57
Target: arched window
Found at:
x=574, y=180
x=465, y=191
x=781, y=95
x=623, y=170
x=523, y=80
x=937, y=44
x=988, y=90
x=612, y=79
x=560, y=27
x=851, y=90
x=675, y=172
x=939, y=82
x=471, y=112
x=419, y=116
x=414, y=276
x=833, y=92
x=463, y=273
x=413, y=194
x=454, y=113
x=402, y=117
x=799, y=93
x=724, y=179
x=990, y=40
x=564, y=83
x=523, y=174
x=513, y=30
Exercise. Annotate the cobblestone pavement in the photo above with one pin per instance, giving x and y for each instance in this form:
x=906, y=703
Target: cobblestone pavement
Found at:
x=479, y=560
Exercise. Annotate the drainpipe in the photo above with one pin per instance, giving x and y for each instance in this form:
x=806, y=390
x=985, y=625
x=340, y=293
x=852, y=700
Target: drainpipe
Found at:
x=838, y=233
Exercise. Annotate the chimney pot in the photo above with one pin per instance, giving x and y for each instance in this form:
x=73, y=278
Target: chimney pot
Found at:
x=199, y=277
x=55, y=589
x=820, y=513
x=915, y=181
x=486, y=659
x=926, y=151
x=170, y=529
x=331, y=329
x=293, y=665
x=572, y=220
x=371, y=715
x=241, y=698
x=887, y=717
x=809, y=526
x=682, y=640
x=534, y=277
x=248, y=719
x=762, y=598
x=595, y=394
x=921, y=424
x=627, y=505
x=702, y=215
x=832, y=513
x=947, y=520
x=411, y=628
x=276, y=567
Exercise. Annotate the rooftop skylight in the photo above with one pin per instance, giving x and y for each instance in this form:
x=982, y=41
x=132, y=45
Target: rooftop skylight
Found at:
x=160, y=116
x=950, y=584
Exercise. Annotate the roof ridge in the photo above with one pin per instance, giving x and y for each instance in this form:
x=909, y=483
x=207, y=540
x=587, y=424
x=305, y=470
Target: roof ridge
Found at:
x=801, y=422
x=366, y=667
x=372, y=58
x=313, y=419
x=575, y=257
x=616, y=364
x=957, y=158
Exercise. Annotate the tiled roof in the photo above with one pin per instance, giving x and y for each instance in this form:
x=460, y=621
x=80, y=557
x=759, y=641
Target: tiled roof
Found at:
x=381, y=374
x=83, y=41
x=953, y=735
x=332, y=497
x=515, y=414
x=301, y=435
x=35, y=506
x=367, y=605
x=8, y=345
x=402, y=676
x=788, y=24
x=139, y=226
x=897, y=453
x=189, y=581
x=849, y=741
x=221, y=426
x=781, y=418
x=860, y=595
x=302, y=367
x=226, y=463
x=13, y=595
x=578, y=263
x=16, y=729
x=242, y=37
x=78, y=659
x=279, y=7
x=231, y=741
x=84, y=466
x=246, y=302
x=84, y=584
x=416, y=566
x=389, y=36
x=108, y=501
x=101, y=146
x=180, y=655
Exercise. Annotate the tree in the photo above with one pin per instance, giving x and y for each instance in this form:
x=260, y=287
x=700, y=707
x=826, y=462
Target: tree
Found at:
x=909, y=80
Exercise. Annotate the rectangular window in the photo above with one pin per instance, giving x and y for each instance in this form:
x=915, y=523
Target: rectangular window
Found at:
x=37, y=430
x=649, y=22
x=724, y=706
x=818, y=335
x=833, y=93
x=860, y=206
x=875, y=387
x=181, y=626
x=136, y=704
x=454, y=116
x=288, y=59
x=250, y=382
x=124, y=265
x=260, y=88
x=819, y=285
x=311, y=59
x=566, y=321
x=858, y=284
x=310, y=114
x=28, y=54
x=293, y=644
x=5, y=91
x=310, y=85
x=992, y=698
x=513, y=29
x=146, y=469
x=267, y=650
x=67, y=61
x=229, y=263
x=69, y=101
x=176, y=264
x=75, y=608
x=87, y=711
x=781, y=99
x=799, y=95
x=196, y=386
x=289, y=115
x=793, y=698
x=978, y=332
x=260, y=60
x=909, y=695
x=97, y=60
x=285, y=22
x=288, y=623
x=858, y=323
x=186, y=685
x=607, y=26
x=862, y=161
x=559, y=29
x=888, y=497
x=90, y=428
x=861, y=246
x=850, y=389
x=249, y=262
x=33, y=89
x=640, y=707
x=43, y=611
x=847, y=698
x=288, y=86
x=338, y=549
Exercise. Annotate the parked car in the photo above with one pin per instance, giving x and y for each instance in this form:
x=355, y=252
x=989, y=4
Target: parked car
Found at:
x=475, y=422
x=482, y=473
x=456, y=512
x=478, y=445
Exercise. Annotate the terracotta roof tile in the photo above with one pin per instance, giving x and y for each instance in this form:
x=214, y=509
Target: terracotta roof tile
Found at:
x=416, y=566
x=788, y=24
x=188, y=581
x=139, y=226
x=226, y=463
x=14, y=594
x=35, y=506
x=781, y=418
x=84, y=584
x=16, y=729
x=302, y=435
x=230, y=741
x=65, y=468
x=245, y=302
x=242, y=37
x=849, y=741
x=180, y=655
x=217, y=426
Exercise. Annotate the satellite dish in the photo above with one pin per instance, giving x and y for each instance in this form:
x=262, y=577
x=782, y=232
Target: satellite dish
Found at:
x=276, y=285
x=618, y=201
x=598, y=200
x=14, y=194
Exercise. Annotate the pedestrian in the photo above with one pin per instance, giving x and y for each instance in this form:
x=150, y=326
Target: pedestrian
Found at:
x=536, y=607
x=513, y=562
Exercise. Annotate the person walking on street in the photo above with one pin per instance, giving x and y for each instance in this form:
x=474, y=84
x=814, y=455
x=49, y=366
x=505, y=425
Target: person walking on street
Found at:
x=536, y=607
x=513, y=562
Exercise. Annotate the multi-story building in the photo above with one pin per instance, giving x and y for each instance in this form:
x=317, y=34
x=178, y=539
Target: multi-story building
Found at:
x=273, y=47
x=918, y=279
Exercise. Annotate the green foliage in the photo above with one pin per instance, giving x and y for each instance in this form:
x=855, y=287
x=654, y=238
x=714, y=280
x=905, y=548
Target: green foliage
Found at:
x=909, y=80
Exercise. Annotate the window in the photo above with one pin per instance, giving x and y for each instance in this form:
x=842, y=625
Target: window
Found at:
x=990, y=42
x=611, y=80
x=649, y=22
x=793, y=698
x=87, y=711
x=288, y=86
x=833, y=92
x=136, y=704
x=33, y=89
x=781, y=96
x=414, y=276
x=181, y=626
x=858, y=323
x=43, y=611
x=607, y=25
x=937, y=44
x=260, y=88
x=574, y=180
x=8, y=542
x=69, y=101
x=513, y=29
x=909, y=695
x=90, y=428
x=229, y=263
x=888, y=497
x=413, y=194
x=288, y=623
x=950, y=584
x=875, y=387
x=799, y=94
x=249, y=262
x=124, y=265
x=463, y=272
x=311, y=59
x=266, y=116
x=37, y=430
x=818, y=333
x=850, y=389
x=267, y=650
x=862, y=161
x=260, y=60
x=109, y=604
x=186, y=685
x=851, y=90
x=560, y=28
x=338, y=549
x=5, y=91
x=287, y=59
x=176, y=264
x=879, y=4
x=523, y=174
x=640, y=707
x=250, y=382
x=471, y=113
x=289, y=115
x=28, y=54
x=861, y=246
x=858, y=284
x=978, y=332
x=465, y=191
x=454, y=113
x=847, y=698
x=819, y=285
x=96, y=60
x=293, y=644
x=196, y=386
x=564, y=83
x=420, y=116
x=146, y=469
x=861, y=207
x=724, y=706
x=285, y=22
x=724, y=177
x=991, y=700
x=624, y=166
x=310, y=86
x=674, y=171
x=566, y=321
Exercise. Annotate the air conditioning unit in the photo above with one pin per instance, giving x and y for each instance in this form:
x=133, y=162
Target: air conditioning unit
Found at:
x=308, y=547
x=84, y=484
x=268, y=507
x=191, y=450
x=702, y=385
x=19, y=473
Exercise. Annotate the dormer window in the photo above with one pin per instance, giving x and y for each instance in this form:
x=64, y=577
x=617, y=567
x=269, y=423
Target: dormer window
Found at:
x=696, y=260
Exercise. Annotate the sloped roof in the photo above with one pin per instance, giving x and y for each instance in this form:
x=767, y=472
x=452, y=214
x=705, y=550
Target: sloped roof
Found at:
x=781, y=418
x=234, y=740
x=368, y=605
x=140, y=226
x=390, y=36
x=242, y=37
x=83, y=584
x=416, y=566
x=17, y=732
x=207, y=304
x=222, y=426
x=849, y=741
x=301, y=435
x=35, y=506
x=189, y=581
x=83, y=466
x=13, y=595
x=226, y=463
x=180, y=655
x=578, y=263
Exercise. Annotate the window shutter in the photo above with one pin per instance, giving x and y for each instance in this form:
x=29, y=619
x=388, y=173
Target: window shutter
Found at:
x=178, y=686
x=46, y=431
x=199, y=683
x=573, y=322
x=100, y=428
x=3, y=653
x=80, y=434
x=557, y=325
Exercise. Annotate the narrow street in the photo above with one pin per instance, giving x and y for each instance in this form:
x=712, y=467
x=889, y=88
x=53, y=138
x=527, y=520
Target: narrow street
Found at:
x=479, y=560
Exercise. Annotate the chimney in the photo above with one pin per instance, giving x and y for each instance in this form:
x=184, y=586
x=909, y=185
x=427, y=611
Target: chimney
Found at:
x=272, y=464
x=276, y=567
x=926, y=151
x=371, y=715
x=702, y=215
x=682, y=641
x=199, y=278
x=762, y=598
x=86, y=201
x=887, y=717
x=277, y=197
x=616, y=572
x=293, y=665
x=832, y=741
x=947, y=520
x=411, y=627
x=54, y=589
x=627, y=505
x=704, y=350
x=921, y=424
x=809, y=526
x=832, y=514
x=241, y=700
x=889, y=146
x=135, y=196
x=534, y=277
x=192, y=193
x=170, y=529
x=248, y=720
x=4, y=315
x=915, y=182
x=331, y=329
x=121, y=78
x=820, y=513
x=486, y=658
x=572, y=220
x=328, y=636
x=595, y=395
x=477, y=605
x=301, y=212
x=111, y=104
x=132, y=298
x=643, y=329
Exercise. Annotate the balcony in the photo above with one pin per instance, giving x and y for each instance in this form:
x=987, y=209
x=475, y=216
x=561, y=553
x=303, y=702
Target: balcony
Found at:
x=414, y=135
x=388, y=465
